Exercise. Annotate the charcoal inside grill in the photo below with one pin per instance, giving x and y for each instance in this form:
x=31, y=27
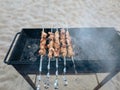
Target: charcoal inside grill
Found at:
x=30, y=51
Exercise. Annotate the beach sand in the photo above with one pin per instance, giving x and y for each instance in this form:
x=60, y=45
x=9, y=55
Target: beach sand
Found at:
x=18, y=14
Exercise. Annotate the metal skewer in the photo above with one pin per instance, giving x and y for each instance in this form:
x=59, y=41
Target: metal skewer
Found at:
x=56, y=80
x=64, y=71
x=40, y=70
x=73, y=60
x=56, y=73
x=74, y=65
x=47, y=83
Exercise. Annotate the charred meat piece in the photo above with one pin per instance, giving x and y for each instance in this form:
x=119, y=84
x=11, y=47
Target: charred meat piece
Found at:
x=42, y=50
x=51, y=45
x=70, y=52
x=63, y=49
x=57, y=44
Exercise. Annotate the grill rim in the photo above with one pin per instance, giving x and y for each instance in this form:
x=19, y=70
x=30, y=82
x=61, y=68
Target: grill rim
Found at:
x=11, y=46
x=20, y=35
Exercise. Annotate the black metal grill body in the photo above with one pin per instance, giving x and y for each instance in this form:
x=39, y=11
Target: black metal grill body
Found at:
x=96, y=50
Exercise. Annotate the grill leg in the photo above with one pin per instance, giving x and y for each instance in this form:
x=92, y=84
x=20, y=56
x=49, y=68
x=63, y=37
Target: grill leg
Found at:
x=35, y=79
x=105, y=80
x=27, y=78
x=97, y=78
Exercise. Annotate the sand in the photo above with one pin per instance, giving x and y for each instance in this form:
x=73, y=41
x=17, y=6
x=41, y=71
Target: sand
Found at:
x=18, y=14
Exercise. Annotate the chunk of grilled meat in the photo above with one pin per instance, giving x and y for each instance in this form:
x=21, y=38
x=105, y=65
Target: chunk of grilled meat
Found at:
x=70, y=52
x=63, y=49
x=56, y=45
x=51, y=45
x=42, y=50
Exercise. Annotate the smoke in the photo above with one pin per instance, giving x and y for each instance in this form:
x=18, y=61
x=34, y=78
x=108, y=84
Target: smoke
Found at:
x=96, y=44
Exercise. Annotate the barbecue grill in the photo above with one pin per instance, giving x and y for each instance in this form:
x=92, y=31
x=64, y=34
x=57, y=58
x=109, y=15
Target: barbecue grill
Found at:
x=96, y=51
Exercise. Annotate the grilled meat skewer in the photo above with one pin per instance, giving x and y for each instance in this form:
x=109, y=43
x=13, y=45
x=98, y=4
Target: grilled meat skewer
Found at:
x=70, y=49
x=69, y=44
x=64, y=53
x=50, y=55
x=56, y=54
x=42, y=52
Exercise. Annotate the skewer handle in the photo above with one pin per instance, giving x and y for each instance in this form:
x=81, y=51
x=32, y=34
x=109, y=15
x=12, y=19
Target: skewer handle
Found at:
x=56, y=80
x=46, y=85
x=40, y=67
x=38, y=87
x=56, y=66
x=40, y=70
x=64, y=70
x=74, y=65
x=56, y=84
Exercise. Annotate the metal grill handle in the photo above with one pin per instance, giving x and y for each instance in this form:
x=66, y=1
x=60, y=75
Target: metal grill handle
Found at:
x=5, y=60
